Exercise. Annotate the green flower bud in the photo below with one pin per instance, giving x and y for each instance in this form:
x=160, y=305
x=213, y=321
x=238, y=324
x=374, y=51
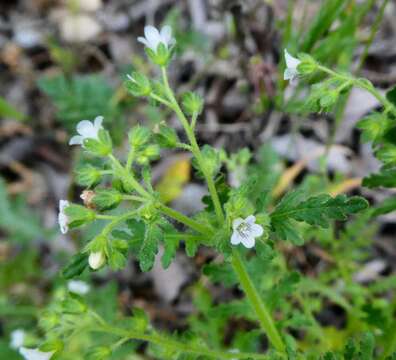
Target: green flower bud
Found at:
x=307, y=66
x=151, y=152
x=138, y=137
x=328, y=99
x=74, y=304
x=78, y=215
x=106, y=199
x=192, y=103
x=88, y=176
x=99, y=353
x=101, y=146
x=138, y=84
x=161, y=56
x=166, y=136
x=211, y=159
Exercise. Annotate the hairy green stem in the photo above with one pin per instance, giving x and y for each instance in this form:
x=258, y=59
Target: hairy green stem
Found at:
x=184, y=219
x=263, y=314
x=174, y=214
x=169, y=343
x=139, y=188
x=365, y=85
x=195, y=147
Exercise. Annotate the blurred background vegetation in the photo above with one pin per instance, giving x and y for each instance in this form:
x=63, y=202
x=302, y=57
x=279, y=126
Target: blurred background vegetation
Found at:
x=64, y=61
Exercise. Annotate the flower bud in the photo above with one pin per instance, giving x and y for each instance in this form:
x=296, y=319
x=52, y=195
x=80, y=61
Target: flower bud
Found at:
x=96, y=259
x=78, y=215
x=138, y=84
x=211, y=158
x=307, y=65
x=87, y=197
x=192, y=103
x=166, y=136
x=151, y=152
x=328, y=99
x=106, y=199
x=88, y=176
x=161, y=56
x=138, y=137
x=101, y=146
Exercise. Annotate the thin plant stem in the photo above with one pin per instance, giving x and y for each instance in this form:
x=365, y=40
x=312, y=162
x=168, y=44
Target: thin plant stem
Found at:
x=263, y=314
x=174, y=214
x=139, y=188
x=185, y=220
x=365, y=85
x=195, y=147
x=169, y=343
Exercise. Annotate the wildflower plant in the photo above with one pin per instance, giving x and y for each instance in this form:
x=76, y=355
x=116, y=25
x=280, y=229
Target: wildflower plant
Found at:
x=246, y=225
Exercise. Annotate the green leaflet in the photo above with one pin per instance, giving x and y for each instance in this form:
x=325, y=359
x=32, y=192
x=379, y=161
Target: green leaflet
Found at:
x=77, y=98
x=149, y=247
x=316, y=210
x=385, y=178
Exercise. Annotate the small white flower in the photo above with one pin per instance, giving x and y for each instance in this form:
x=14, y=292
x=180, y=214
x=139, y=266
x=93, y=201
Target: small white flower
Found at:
x=62, y=217
x=96, y=259
x=153, y=37
x=87, y=130
x=78, y=287
x=245, y=231
x=35, y=354
x=291, y=71
x=17, y=338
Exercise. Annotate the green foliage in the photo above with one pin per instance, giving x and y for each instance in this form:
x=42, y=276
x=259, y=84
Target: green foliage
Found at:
x=11, y=213
x=9, y=111
x=316, y=210
x=77, y=98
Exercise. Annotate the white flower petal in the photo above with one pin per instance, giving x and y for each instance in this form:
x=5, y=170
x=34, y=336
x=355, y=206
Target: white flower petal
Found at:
x=248, y=242
x=76, y=140
x=290, y=74
x=256, y=230
x=35, y=354
x=235, y=238
x=17, y=338
x=153, y=36
x=78, y=287
x=251, y=219
x=62, y=217
x=143, y=41
x=98, y=122
x=291, y=62
x=166, y=34
x=84, y=128
x=236, y=223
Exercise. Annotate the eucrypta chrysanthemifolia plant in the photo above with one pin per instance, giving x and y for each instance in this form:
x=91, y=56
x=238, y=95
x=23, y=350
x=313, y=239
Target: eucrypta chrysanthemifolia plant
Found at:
x=236, y=222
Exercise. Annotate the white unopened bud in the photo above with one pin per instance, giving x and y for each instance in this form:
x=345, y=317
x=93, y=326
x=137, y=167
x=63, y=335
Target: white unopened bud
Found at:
x=96, y=260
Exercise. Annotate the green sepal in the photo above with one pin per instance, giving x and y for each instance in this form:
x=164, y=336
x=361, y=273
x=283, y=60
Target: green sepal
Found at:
x=106, y=199
x=138, y=137
x=192, y=103
x=78, y=215
x=101, y=146
x=166, y=136
x=139, y=85
x=74, y=304
x=88, y=176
